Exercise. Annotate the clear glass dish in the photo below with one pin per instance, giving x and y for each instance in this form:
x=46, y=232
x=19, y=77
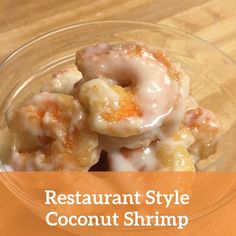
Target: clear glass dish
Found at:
x=212, y=72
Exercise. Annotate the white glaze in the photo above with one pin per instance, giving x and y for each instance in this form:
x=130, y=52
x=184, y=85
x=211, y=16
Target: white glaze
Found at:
x=63, y=81
x=140, y=159
x=155, y=92
x=205, y=117
x=161, y=99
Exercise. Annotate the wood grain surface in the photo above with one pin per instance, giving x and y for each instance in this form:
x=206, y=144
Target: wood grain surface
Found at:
x=212, y=20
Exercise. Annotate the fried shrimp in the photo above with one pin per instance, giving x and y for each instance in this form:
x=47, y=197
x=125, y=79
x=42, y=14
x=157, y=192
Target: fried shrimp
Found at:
x=140, y=159
x=171, y=154
x=121, y=107
x=63, y=81
x=50, y=133
x=206, y=130
x=145, y=88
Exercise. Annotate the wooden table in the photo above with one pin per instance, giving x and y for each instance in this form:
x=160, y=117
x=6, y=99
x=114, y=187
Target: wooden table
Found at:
x=212, y=20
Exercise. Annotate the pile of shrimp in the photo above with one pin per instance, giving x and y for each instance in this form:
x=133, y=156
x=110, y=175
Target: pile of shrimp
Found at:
x=127, y=100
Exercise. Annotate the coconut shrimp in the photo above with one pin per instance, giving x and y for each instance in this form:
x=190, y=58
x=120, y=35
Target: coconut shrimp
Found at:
x=171, y=154
x=140, y=159
x=131, y=90
x=63, y=81
x=128, y=101
x=205, y=128
x=50, y=133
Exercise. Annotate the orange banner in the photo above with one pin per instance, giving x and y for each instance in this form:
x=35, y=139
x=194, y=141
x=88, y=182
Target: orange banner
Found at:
x=110, y=203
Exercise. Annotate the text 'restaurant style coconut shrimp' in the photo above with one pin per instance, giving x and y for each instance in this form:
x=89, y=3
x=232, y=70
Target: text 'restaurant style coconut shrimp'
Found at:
x=130, y=91
x=51, y=133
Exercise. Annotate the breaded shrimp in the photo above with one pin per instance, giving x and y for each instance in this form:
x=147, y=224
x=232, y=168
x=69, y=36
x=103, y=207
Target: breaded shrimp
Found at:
x=145, y=86
x=51, y=128
x=63, y=81
x=168, y=155
x=205, y=128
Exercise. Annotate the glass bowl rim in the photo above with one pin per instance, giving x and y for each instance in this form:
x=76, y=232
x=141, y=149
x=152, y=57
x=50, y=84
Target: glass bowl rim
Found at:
x=90, y=23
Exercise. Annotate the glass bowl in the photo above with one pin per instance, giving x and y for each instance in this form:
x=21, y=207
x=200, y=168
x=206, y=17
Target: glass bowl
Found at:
x=212, y=72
